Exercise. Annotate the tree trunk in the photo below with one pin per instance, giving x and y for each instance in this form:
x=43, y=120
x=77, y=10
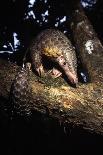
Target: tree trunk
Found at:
x=88, y=45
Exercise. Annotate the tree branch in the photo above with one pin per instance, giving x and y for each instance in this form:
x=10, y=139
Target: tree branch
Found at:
x=88, y=45
x=80, y=106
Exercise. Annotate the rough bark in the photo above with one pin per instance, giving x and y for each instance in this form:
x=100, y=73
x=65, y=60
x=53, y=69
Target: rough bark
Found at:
x=82, y=106
x=88, y=45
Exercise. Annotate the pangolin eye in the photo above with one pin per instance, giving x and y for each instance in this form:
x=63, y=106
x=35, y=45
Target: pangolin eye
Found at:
x=64, y=63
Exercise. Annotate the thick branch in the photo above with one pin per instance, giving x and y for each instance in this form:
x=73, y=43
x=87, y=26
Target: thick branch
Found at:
x=82, y=106
x=88, y=44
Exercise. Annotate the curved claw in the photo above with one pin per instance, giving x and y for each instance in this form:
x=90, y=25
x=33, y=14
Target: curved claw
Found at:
x=40, y=70
x=55, y=73
x=28, y=66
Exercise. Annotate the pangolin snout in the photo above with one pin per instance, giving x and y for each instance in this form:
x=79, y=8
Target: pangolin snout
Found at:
x=69, y=71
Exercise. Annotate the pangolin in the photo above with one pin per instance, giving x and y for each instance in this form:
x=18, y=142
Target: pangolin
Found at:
x=52, y=44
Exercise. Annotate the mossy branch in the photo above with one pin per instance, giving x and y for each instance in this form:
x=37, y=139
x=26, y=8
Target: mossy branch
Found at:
x=82, y=106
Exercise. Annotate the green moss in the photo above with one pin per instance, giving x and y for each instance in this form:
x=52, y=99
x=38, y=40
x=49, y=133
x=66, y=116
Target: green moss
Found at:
x=49, y=81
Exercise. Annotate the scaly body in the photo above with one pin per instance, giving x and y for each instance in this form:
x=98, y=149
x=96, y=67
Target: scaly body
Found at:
x=20, y=92
x=57, y=47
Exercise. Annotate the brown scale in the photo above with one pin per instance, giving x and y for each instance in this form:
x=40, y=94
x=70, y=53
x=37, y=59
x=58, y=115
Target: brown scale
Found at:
x=20, y=92
x=58, y=48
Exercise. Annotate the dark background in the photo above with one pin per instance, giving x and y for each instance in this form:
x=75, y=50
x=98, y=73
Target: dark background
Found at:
x=38, y=133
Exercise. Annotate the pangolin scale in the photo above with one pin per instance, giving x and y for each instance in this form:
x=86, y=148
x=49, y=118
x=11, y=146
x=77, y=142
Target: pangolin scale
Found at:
x=55, y=45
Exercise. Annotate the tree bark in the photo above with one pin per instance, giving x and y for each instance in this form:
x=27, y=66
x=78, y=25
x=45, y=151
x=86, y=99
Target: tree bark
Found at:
x=88, y=45
x=81, y=106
